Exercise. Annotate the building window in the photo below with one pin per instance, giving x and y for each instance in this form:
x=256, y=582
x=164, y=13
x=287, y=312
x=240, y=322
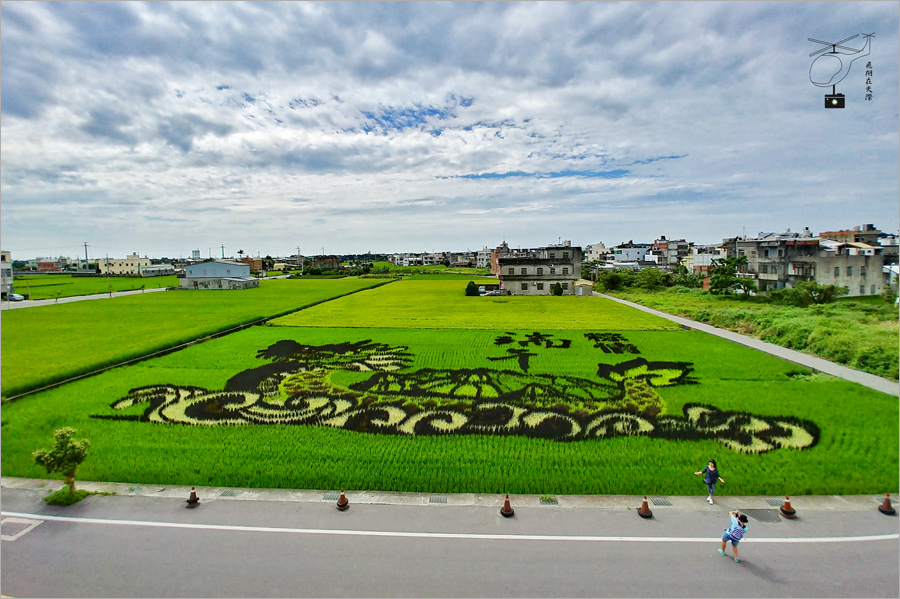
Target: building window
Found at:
x=873, y=289
x=767, y=253
x=540, y=286
x=565, y=256
x=862, y=289
x=837, y=271
x=512, y=271
x=862, y=271
x=540, y=270
x=849, y=271
x=780, y=253
x=552, y=271
x=565, y=270
x=565, y=285
x=764, y=269
x=552, y=255
x=524, y=286
x=523, y=270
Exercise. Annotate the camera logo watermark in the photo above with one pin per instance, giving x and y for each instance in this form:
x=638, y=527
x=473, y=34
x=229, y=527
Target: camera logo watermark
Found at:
x=832, y=65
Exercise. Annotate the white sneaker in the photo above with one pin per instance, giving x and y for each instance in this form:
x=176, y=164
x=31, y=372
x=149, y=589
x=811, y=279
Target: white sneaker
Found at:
x=709, y=499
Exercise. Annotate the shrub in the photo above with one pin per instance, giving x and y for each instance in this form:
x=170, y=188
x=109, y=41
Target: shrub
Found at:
x=472, y=289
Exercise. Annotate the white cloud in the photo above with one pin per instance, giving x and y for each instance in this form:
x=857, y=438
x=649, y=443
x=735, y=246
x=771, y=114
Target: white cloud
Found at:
x=392, y=126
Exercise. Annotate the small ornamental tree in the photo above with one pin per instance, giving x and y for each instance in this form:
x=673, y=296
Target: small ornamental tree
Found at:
x=471, y=289
x=65, y=456
x=557, y=289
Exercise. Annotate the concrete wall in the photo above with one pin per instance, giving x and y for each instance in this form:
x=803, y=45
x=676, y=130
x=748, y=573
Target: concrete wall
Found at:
x=213, y=283
x=872, y=282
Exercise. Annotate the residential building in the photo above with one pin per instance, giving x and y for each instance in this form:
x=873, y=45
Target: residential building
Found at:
x=501, y=251
x=630, y=252
x=483, y=258
x=131, y=265
x=255, y=263
x=218, y=274
x=782, y=260
x=702, y=256
x=865, y=234
x=332, y=262
x=536, y=271
x=7, y=285
x=595, y=251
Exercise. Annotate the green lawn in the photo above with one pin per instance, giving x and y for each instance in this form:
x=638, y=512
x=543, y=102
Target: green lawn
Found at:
x=55, y=286
x=859, y=332
x=855, y=425
x=441, y=304
x=46, y=344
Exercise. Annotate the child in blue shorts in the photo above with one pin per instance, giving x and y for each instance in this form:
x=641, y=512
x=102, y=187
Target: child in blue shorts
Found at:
x=734, y=533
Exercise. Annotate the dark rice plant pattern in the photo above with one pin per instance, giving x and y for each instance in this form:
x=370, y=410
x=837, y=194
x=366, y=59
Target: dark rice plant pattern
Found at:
x=295, y=387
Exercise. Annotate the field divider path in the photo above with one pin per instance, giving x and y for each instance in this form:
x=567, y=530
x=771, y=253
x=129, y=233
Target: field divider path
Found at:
x=180, y=346
x=819, y=364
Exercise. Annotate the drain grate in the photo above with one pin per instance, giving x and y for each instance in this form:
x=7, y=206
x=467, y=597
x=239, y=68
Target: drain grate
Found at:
x=775, y=502
x=549, y=501
x=133, y=490
x=660, y=501
x=331, y=495
x=437, y=499
x=230, y=493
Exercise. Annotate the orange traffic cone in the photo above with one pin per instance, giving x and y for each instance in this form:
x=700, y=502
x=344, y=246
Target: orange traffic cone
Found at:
x=193, y=500
x=886, y=507
x=786, y=510
x=644, y=510
x=342, y=503
x=506, y=511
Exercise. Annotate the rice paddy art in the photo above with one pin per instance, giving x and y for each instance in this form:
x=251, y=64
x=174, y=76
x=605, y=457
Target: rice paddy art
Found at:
x=501, y=395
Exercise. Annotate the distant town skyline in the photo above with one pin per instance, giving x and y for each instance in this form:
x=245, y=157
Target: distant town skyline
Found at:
x=161, y=128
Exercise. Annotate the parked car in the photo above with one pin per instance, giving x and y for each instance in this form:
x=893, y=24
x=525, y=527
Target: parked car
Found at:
x=495, y=292
x=15, y=297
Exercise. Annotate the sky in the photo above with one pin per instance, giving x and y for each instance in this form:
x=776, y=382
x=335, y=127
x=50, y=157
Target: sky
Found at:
x=163, y=128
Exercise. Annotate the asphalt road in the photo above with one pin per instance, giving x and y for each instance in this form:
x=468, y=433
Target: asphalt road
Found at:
x=297, y=544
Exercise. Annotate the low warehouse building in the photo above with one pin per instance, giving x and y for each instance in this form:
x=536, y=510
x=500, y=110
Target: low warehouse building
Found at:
x=218, y=274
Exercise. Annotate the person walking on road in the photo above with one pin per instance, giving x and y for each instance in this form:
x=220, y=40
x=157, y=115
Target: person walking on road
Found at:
x=734, y=533
x=712, y=476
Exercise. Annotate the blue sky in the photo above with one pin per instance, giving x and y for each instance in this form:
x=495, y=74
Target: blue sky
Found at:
x=162, y=128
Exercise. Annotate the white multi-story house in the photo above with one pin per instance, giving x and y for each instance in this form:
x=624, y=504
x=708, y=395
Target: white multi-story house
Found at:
x=6, y=274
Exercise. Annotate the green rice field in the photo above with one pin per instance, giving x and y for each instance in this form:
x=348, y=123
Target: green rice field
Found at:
x=56, y=286
x=46, y=344
x=572, y=396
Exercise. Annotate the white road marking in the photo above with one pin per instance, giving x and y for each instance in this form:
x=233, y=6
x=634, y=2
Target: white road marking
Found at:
x=30, y=525
x=447, y=535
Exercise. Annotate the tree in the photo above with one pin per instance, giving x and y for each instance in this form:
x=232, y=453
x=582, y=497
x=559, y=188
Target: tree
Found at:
x=241, y=254
x=65, y=456
x=724, y=277
x=557, y=289
x=471, y=289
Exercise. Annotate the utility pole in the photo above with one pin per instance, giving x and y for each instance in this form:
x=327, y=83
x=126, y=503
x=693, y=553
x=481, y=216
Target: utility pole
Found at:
x=85, y=255
x=300, y=260
x=108, y=282
x=223, y=251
